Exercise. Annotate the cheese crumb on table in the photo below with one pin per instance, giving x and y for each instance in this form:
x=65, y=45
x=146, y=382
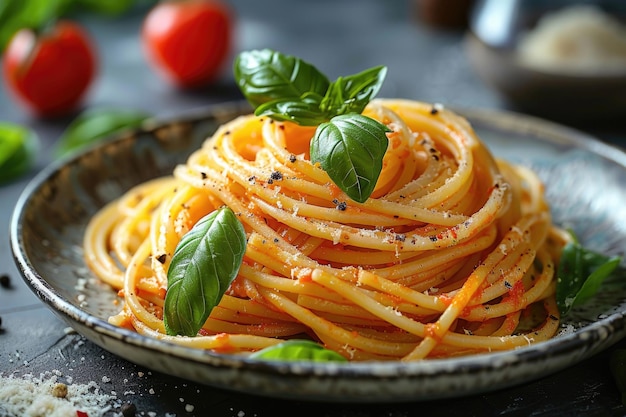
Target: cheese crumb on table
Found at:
x=31, y=396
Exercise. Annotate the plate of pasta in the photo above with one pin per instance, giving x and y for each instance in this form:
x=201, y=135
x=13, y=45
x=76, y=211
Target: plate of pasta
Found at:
x=426, y=259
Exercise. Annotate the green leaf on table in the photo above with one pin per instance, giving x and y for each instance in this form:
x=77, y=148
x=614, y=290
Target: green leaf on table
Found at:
x=205, y=262
x=96, y=124
x=107, y=7
x=31, y=14
x=18, y=147
x=298, y=350
x=37, y=14
x=350, y=148
x=580, y=274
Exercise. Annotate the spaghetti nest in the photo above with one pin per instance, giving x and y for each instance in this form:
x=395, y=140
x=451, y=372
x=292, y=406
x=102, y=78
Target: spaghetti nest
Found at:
x=454, y=253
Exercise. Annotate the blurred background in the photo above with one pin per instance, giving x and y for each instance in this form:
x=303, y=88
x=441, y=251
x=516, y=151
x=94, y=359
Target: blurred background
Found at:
x=461, y=53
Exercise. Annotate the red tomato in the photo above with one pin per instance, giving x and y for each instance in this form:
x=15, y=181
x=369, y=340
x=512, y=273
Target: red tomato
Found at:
x=50, y=72
x=189, y=40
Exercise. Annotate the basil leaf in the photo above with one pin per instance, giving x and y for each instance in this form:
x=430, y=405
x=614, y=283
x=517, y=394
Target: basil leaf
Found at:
x=32, y=14
x=298, y=350
x=18, y=146
x=350, y=148
x=205, y=262
x=266, y=75
x=108, y=8
x=96, y=124
x=301, y=112
x=351, y=94
x=580, y=274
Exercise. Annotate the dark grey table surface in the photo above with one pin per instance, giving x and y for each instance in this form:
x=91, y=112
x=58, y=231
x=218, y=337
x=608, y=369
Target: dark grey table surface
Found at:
x=341, y=37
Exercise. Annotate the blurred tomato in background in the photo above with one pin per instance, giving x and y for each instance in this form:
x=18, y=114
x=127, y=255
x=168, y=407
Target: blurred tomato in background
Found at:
x=188, y=41
x=50, y=70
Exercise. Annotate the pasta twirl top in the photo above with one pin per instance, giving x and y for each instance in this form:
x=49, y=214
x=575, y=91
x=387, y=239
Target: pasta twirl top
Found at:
x=453, y=253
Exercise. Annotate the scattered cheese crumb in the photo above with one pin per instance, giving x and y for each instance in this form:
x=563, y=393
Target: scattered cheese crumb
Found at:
x=59, y=390
x=30, y=396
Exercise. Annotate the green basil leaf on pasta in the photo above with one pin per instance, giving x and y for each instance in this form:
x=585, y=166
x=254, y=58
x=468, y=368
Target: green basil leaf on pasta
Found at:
x=301, y=112
x=298, y=350
x=580, y=275
x=205, y=262
x=18, y=147
x=350, y=148
x=266, y=75
x=352, y=93
x=96, y=124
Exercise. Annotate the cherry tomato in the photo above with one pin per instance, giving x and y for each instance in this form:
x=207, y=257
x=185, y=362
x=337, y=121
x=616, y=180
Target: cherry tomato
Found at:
x=51, y=71
x=188, y=41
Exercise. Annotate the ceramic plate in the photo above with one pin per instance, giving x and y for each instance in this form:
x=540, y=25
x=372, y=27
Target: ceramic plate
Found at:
x=584, y=181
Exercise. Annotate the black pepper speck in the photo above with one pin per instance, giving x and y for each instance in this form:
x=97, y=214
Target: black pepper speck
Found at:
x=5, y=281
x=129, y=410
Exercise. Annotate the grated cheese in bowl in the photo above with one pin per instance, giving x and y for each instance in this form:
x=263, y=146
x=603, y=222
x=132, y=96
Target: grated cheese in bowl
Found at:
x=580, y=38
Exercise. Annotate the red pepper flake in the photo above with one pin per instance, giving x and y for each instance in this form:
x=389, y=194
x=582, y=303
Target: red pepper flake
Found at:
x=446, y=299
x=430, y=330
x=81, y=414
x=516, y=293
x=162, y=293
x=303, y=275
x=223, y=343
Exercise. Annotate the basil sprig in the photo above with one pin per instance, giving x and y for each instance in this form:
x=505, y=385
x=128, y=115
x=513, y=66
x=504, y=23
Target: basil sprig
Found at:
x=18, y=146
x=298, y=350
x=580, y=274
x=349, y=146
x=205, y=262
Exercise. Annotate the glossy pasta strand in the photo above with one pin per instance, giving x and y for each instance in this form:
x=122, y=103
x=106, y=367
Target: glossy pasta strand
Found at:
x=449, y=256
